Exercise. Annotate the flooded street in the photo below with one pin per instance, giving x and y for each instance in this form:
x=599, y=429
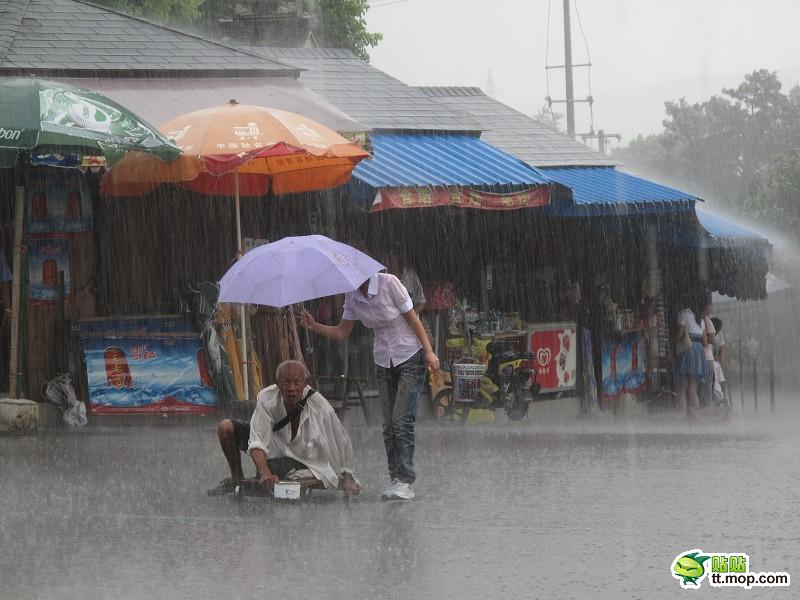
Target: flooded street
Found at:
x=502, y=511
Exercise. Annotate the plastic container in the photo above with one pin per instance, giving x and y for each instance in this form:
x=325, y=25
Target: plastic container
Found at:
x=467, y=374
x=286, y=490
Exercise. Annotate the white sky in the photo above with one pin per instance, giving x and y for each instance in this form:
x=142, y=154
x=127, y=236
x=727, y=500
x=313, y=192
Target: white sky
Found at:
x=643, y=52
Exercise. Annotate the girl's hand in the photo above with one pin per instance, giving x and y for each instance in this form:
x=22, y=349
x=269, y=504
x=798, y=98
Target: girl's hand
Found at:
x=306, y=320
x=432, y=360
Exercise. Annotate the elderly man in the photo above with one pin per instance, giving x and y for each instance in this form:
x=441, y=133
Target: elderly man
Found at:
x=293, y=427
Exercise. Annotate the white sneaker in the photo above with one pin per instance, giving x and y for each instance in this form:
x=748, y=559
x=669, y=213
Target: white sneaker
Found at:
x=400, y=491
x=389, y=492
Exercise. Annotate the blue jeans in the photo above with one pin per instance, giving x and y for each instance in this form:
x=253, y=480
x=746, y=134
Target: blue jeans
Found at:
x=400, y=387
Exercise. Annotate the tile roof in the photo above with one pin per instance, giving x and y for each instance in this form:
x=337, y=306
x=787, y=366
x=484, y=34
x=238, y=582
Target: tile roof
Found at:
x=75, y=37
x=368, y=94
x=376, y=99
x=518, y=134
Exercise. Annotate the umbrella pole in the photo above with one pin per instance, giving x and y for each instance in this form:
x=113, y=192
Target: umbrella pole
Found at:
x=16, y=292
x=242, y=319
x=310, y=353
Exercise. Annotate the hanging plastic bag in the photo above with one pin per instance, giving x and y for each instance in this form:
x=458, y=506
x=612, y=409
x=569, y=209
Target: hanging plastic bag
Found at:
x=60, y=392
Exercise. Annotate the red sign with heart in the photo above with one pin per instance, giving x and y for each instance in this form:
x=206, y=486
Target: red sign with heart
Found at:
x=556, y=353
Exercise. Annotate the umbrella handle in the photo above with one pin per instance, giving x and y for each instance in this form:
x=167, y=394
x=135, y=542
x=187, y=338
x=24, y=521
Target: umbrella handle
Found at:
x=310, y=353
x=309, y=347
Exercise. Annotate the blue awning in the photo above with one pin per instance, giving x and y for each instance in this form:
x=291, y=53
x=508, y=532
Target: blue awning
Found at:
x=721, y=232
x=417, y=160
x=607, y=191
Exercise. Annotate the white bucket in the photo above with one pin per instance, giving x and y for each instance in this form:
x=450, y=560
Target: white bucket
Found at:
x=467, y=381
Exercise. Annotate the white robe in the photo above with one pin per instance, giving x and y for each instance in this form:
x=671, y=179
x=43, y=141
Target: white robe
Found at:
x=321, y=443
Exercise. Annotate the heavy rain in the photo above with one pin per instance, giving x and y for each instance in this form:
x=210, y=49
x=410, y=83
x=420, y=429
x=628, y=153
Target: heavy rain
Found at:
x=299, y=303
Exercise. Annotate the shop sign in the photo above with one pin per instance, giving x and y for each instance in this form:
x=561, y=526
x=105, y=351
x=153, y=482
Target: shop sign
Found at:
x=46, y=257
x=59, y=202
x=148, y=374
x=624, y=366
x=555, y=348
x=459, y=197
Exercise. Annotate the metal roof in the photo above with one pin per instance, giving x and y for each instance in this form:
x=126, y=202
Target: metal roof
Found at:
x=368, y=94
x=517, y=133
x=73, y=37
x=723, y=232
x=605, y=190
x=441, y=160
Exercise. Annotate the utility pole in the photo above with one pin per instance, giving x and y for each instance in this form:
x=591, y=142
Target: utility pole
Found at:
x=568, y=71
x=568, y=66
x=602, y=138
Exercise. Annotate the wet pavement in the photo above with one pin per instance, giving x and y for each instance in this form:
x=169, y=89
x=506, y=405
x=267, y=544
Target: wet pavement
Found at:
x=502, y=511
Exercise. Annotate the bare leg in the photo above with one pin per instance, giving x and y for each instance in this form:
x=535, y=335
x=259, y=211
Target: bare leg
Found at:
x=227, y=441
x=683, y=383
x=694, y=399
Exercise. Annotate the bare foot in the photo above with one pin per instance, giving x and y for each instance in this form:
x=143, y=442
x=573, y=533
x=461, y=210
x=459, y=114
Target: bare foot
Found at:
x=349, y=485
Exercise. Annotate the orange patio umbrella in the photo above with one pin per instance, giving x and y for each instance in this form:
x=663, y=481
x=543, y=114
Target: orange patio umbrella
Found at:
x=241, y=150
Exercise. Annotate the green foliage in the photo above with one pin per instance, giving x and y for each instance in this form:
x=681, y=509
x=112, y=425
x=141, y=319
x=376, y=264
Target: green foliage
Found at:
x=342, y=24
x=728, y=147
x=182, y=11
x=774, y=196
x=547, y=116
x=339, y=23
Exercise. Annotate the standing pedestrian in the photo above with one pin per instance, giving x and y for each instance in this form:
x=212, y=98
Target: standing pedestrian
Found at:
x=707, y=394
x=690, y=358
x=720, y=353
x=401, y=352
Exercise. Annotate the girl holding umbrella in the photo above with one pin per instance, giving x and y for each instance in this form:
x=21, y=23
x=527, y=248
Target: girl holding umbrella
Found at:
x=402, y=353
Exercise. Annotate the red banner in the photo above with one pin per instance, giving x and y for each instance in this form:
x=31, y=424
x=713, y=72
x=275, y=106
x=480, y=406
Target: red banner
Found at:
x=460, y=197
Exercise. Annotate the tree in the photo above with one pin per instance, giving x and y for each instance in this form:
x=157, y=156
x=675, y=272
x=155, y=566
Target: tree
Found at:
x=774, y=196
x=172, y=11
x=337, y=23
x=727, y=147
x=342, y=24
x=547, y=116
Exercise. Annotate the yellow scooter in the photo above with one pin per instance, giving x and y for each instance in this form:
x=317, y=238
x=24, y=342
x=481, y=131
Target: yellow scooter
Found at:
x=508, y=382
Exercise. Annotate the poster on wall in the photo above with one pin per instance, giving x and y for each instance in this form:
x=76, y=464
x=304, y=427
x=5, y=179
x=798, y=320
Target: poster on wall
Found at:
x=59, y=201
x=556, y=350
x=624, y=366
x=135, y=375
x=46, y=257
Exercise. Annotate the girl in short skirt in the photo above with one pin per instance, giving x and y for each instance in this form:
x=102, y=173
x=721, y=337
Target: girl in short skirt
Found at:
x=690, y=362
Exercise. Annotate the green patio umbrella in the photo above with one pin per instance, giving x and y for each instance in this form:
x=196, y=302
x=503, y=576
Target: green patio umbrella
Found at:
x=76, y=127
x=51, y=117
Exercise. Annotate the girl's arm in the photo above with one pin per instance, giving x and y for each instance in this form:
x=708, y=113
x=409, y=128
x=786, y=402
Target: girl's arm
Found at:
x=336, y=332
x=430, y=358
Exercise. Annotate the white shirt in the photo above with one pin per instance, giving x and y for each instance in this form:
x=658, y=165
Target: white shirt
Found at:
x=321, y=443
x=686, y=318
x=719, y=341
x=382, y=310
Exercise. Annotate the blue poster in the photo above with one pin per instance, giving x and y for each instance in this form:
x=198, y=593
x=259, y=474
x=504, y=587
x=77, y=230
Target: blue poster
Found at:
x=165, y=374
x=624, y=365
x=59, y=201
x=46, y=257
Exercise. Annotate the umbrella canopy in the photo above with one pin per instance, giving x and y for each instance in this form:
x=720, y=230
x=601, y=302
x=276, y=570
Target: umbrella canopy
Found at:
x=254, y=147
x=296, y=269
x=48, y=116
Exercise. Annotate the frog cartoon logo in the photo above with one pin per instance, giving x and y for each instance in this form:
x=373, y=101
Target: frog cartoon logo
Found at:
x=688, y=568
